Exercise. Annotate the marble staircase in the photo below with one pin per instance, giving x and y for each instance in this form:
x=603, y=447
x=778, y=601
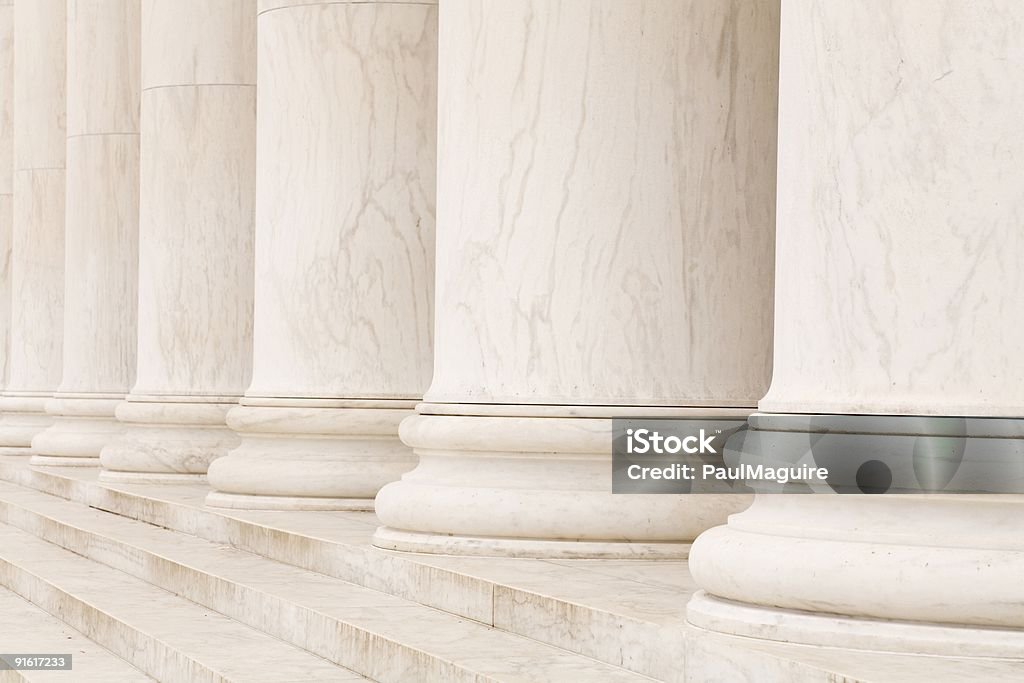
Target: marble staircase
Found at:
x=152, y=583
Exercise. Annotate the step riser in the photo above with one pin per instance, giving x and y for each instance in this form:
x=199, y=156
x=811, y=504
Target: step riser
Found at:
x=652, y=651
x=146, y=654
x=361, y=651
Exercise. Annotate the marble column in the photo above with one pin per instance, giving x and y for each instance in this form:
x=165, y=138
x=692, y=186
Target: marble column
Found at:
x=344, y=254
x=604, y=247
x=197, y=178
x=101, y=231
x=6, y=180
x=37, y=244
x=899, y=293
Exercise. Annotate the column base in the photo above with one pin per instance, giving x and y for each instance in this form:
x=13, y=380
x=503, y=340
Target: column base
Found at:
x=537, y=485
x=167, y=441
x=22, y=417
x=82, y=425
x=928, y=573
x=309, y=454
x=833, y=630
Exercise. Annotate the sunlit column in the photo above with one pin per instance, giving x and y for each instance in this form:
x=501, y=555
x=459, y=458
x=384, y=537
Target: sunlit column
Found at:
x=198, y=147
x=101, y=231
x=344, y=254
x=900, y=292
x=604, y=247
x=37, y=246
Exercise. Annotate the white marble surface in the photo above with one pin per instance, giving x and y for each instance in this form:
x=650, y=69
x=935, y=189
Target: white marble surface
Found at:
x=899, y=289
x=345, y=201
x=344, y=255
x=605, y=205
x=899, y=246
x=27, y=628
x=195, y=240
x=37, y=241
x=6, y=179
x=196, y=206
x=101, y=228
x=625, y=613
x=606, y=176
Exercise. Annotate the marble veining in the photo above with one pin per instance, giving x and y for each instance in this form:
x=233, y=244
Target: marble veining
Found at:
x=605, y=202
x=37, y=266
x=899, y=242
x=345, y=201
x=102, y=197
x=6, y=180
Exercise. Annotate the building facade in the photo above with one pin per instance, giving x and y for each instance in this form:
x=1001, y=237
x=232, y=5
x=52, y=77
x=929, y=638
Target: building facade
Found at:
x=317, y=315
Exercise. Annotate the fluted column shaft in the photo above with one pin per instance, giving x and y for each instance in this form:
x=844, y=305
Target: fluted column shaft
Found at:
x=344, y=254
x=37, y=260
x=899, y=294
x=101, y=231
x=195, y=239
x=604, y=248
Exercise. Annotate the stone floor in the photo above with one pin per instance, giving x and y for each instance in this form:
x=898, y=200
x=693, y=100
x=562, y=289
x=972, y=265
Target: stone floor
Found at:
x=144, y=582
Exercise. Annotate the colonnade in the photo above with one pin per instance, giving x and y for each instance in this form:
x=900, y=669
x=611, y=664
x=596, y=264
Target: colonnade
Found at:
x=248, y=286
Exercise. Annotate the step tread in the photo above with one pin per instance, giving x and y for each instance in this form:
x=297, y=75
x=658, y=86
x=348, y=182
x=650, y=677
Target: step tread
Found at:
x=469, y=645
x=223, y=645
x=27, y=629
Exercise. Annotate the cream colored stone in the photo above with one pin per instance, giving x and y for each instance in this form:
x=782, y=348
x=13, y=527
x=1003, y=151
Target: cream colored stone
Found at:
x=6, y=180
x=101, y=231
x=898, y=272
x=898, y=285
x=344, y=255
x=605, y=205
x=37, y=244
x=195, y=238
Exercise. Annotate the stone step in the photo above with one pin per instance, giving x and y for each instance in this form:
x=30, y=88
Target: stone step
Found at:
x=626, y=613
x=166, y=636
x=381, y=636
x=26, y=629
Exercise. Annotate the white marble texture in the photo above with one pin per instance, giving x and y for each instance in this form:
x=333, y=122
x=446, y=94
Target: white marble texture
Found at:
x=101, y=230
x=606, y=179
x=899, y=241
x=197, y=176
x=605, y=202
x=6, y=179
x=344, y=254
x=899, y=289
x=37, y=256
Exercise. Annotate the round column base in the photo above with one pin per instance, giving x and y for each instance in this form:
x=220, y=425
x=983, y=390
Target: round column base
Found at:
x=82, y=426
x=22, y=417
x=538, y=485
x=311, y=454
x=167, y=441
x=541, y=548
x=241, y=501
x=828, y=630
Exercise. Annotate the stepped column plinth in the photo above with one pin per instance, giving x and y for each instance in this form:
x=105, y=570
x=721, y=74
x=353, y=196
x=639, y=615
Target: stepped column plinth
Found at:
x=604, y=248
x=197, y=177
x=101, y=232
x=37, y=246
x=344, y=255
x=897, y=338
